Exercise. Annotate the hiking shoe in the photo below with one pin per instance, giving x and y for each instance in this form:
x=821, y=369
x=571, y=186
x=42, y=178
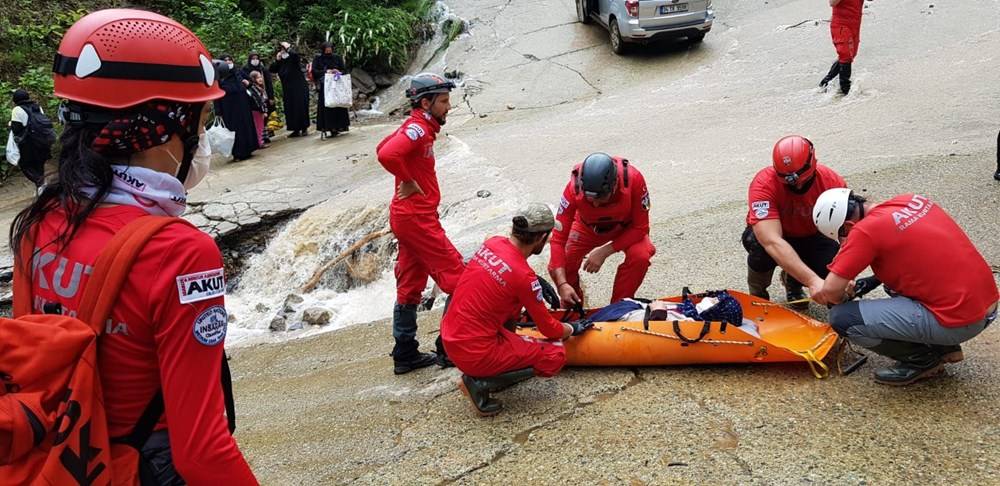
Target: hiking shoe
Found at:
x=420, y=360
x=905, y=373
x=950, y=354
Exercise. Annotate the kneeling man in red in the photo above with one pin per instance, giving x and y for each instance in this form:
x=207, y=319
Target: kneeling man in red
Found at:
x=478, y=330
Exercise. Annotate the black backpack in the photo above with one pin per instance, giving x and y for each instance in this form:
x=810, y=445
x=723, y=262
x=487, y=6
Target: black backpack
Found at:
x=40, y=131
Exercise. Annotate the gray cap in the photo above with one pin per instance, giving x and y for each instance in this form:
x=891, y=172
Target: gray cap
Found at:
x=534, y=218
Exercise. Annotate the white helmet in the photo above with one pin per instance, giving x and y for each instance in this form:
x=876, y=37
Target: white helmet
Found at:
x=830, y=211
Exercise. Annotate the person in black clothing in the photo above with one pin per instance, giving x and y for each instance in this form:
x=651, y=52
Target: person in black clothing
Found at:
x=33, y=155
x=234, y=108
x=330, y=121
x=295, y=90
x=996, y=175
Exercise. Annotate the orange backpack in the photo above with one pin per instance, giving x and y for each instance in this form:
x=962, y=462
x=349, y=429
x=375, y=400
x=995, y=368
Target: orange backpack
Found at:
x=53, y=428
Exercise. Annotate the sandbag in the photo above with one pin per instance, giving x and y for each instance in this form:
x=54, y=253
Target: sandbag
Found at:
x=337, y=91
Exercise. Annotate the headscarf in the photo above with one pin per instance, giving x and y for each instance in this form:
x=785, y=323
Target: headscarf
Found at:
x=148, y=126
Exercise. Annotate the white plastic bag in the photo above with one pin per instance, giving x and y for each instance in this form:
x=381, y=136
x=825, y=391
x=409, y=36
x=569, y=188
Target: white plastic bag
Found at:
x=220, y=138
x=337, y=91
x=13, y=153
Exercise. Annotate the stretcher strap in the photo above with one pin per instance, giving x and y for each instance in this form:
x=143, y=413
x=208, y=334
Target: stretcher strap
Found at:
x=819, y=369
x=669, y=336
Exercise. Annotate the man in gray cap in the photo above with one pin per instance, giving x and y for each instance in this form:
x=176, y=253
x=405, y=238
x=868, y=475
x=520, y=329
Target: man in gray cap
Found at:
x=478, y=329
x=424, y=249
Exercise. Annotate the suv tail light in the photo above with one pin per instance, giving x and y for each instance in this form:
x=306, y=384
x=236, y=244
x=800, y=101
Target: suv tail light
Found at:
x=632, y=6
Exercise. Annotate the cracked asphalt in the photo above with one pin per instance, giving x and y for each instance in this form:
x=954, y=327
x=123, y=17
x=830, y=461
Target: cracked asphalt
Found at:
x=541, y=91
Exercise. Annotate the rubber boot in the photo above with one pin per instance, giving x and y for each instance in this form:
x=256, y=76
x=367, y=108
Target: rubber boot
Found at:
x=406, y=355
x=478, y=389
x=758, y=282
x=996, y=175
x=845, y=78
x=914, y=361
x=834, y=71
x=793, y=292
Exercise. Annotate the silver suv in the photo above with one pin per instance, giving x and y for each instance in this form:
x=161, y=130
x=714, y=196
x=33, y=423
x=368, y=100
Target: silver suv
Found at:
x=637, y=21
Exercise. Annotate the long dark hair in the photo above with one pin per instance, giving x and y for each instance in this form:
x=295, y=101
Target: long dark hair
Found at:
x=79, y=167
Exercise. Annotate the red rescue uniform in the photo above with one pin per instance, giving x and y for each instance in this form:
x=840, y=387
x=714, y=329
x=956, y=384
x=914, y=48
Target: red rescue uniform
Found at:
x=770, y=198
x=424, y=249
x=162, y=335
x=624, y=221
x=497, y=284
x=845, y=29
x=917, y=250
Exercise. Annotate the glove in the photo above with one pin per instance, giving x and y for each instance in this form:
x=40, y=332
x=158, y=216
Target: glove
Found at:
x=581, y=325
x=864, y=285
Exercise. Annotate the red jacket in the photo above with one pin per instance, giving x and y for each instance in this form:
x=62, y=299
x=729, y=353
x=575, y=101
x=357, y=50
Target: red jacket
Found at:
x=408, y=154
x=848, y=13
x=627, y=211
x=163, y=334
x=496, y=285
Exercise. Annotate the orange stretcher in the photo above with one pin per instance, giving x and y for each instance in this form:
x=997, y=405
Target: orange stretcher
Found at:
x=782, y=335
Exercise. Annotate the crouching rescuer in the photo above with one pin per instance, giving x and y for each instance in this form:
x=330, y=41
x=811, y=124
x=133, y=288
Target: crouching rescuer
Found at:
x=942, y=291
x=478, y=330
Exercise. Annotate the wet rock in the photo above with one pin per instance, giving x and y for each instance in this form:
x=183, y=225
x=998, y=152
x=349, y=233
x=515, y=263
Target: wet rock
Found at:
x=386, y=80
x=317, y=316
x=291, y=301
x=279, y=324
x=483, y=193
x=454, y=74
x=295, y=326
x=510, y=106
x=6, y=275
x=363, y=81
x=260, y=307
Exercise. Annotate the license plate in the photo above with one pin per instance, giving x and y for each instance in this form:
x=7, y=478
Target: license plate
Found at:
x=669, y=9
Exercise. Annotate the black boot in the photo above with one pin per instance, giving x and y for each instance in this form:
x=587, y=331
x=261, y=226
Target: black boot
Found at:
x=845, y=77
x=996, y=175
x=478, y=389
x=794, y=292
x=442, y=359
x=834, y=71
x=915, y=361
x=406, y=355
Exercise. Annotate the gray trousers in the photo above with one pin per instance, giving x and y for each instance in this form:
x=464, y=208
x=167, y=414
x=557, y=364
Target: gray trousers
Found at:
x=867, y=322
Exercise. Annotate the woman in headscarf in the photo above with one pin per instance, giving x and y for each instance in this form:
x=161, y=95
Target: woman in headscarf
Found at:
x=295, y=90
x=330, y=121
x=254, y=64
x=234, y=108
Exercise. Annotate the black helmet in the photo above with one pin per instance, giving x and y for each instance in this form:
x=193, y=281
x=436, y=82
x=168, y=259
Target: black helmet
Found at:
x=599, y=175
x=424, y=84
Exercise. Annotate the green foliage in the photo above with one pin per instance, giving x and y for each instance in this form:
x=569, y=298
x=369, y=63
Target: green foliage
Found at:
x=376, y=38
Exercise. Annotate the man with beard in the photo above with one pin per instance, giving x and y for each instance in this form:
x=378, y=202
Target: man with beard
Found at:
x=424, y=249
x=329, y=121
x=478, y=331
x=295, y=90
x=780, y=229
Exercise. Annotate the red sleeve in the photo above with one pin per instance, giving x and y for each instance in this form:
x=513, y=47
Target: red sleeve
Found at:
x=639, y=226
x=529, y=292
x=763, y=205
x=856, y=254
x=393, y=152
x=189, y=348
x=564, y=222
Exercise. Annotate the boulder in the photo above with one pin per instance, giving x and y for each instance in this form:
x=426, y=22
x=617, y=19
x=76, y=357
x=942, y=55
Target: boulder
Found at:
x=363, y=80
x=386, y=80
x=290, y=302
x=316, y=316
x=279, y=324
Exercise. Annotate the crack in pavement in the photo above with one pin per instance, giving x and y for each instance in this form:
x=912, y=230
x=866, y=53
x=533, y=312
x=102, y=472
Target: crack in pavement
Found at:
x=524, y=436
x=549, y=27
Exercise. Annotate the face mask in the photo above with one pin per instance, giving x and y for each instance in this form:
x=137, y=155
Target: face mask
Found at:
x=284, y=55
x=255, y=62
x=200, y=163
x=230, y=65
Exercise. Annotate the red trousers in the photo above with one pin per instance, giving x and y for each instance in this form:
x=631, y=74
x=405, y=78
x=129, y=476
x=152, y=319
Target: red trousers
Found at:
x=510, y=352
x=845, y=39
x=630, y=273
x=424, y=251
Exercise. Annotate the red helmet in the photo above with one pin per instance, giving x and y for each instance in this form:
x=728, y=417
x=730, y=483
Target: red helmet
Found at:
x=794, y=159
x=119, y=58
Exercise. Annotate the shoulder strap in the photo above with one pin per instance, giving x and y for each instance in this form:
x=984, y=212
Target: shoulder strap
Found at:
x=625, y=172
x=113, y=265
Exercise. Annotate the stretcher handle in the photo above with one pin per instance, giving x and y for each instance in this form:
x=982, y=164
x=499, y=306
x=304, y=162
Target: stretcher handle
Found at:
x=705, y=328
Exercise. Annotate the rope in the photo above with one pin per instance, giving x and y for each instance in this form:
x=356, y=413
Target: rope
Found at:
x=810, y=356
x=670, y=336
